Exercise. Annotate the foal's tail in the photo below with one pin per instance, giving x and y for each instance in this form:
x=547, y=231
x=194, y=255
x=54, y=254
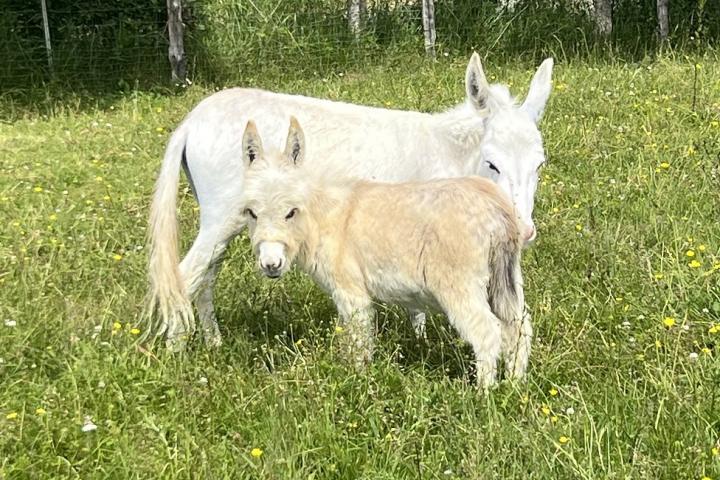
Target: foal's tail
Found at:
x=506, y=296
x=167, y=293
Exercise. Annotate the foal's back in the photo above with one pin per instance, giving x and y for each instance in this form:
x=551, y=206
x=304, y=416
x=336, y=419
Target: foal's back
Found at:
x=437, y=228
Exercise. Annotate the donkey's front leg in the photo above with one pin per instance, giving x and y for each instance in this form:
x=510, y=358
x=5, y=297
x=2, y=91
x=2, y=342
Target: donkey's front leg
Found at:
x=357, y=335
x=418, y=319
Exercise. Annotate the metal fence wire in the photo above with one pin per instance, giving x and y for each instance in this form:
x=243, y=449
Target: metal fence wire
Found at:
x=124, y=42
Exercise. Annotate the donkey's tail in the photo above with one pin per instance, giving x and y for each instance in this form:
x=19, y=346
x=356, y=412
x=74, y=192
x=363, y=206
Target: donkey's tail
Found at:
x=167, y=295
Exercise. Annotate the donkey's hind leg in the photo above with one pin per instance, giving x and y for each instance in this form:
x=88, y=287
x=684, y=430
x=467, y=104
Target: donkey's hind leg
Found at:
x=198, y=270
x=206, y=307
x=475, y=322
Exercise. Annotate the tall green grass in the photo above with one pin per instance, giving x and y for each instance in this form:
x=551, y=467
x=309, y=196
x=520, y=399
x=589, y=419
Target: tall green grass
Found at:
x=624, y=379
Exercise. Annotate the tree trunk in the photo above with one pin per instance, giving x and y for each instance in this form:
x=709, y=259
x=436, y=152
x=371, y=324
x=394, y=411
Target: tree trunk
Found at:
x=662, y=16
x=356, y=10
x=428, y=14
x=176, y=51
x=603, y=17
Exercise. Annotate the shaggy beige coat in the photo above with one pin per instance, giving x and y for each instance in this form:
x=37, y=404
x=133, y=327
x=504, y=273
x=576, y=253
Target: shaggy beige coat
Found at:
x=451, y=244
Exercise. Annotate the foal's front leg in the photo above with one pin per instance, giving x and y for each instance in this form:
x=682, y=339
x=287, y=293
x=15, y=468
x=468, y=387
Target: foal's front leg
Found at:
x=358, y=329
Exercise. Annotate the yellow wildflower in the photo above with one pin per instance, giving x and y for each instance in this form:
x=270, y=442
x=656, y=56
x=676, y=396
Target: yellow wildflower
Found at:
x=715, y=451
x=694, y=264
x=339, y=329
x=578, y=227
x=665, y=165
x=706, y=350
x=38, y=189
x=669, y=322
x=545, y=410
x=117, y=326
x=563, y=439
x=701, y=248
x=40, y=411
x=117, y=257
x=256, y=452
x=658, y=344
x=690, y=253
x=714, y=329
x=135, y=331
x=553, y=392
x=659, y=276
x=159, y=129
x=11, y=416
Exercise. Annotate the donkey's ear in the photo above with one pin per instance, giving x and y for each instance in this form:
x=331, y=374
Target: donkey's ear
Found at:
x=539, y=92
x=295, y=146
x=476, y=86
x=251, y=145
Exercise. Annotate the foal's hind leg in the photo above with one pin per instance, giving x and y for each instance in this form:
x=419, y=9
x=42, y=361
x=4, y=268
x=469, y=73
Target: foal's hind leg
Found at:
x=477, y=325
x=516, y=341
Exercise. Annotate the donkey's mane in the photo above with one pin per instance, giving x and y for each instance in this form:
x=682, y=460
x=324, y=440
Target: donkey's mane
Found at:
x=466, y=127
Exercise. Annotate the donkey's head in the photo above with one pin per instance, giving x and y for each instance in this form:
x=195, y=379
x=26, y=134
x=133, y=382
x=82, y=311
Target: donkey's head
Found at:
x=511, y=151
x=274, y=198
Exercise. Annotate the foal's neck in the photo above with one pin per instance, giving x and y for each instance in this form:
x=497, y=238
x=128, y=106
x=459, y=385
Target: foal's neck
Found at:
x=326, y=209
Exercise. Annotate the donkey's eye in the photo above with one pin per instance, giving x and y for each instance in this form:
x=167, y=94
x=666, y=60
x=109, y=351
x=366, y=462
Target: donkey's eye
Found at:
x=291, y=214
x=492, y=167
x=251, y=213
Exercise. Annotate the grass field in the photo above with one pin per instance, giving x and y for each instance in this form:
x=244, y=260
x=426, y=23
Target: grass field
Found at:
x=623, y=284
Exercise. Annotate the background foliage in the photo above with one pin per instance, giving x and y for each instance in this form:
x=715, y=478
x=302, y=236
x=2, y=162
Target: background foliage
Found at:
x=123, y=44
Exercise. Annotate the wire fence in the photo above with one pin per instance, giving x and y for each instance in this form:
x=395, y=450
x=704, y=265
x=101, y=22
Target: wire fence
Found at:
x=124, y=43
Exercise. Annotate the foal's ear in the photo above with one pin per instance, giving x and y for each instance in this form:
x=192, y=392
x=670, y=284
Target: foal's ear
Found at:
x=539, y=92
x=251, y=145
x=476, y=86
x=295, y=146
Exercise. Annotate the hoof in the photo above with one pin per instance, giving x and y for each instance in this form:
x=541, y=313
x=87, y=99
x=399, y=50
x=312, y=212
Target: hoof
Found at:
x=177, y=343
x=213, y=341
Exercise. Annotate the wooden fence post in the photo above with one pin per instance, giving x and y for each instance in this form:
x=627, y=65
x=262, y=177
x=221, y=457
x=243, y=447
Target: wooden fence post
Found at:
x=662, y=16
x=46, y=30
x=428, y=16
x=176, y=50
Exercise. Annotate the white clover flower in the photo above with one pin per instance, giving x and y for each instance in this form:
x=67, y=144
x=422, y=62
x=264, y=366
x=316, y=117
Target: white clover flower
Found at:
x=88, y=425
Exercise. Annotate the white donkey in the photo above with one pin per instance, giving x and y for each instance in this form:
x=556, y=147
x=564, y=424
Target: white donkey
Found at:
x=452, y=244
x=487, y=135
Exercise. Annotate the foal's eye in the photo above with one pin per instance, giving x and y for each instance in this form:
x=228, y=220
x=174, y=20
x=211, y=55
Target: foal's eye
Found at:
x=291, y=214
x=251, y=213
x=492, y=167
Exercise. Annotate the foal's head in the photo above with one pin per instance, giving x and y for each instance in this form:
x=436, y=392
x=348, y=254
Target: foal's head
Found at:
x=511, y=151
x=275, y=197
